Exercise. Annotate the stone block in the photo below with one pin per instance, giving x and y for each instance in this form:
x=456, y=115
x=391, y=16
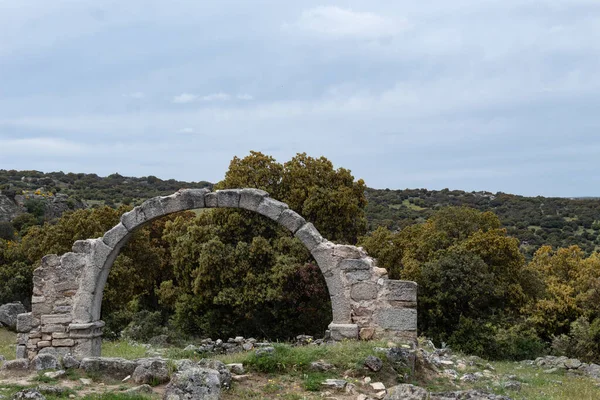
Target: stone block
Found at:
x=152, y=209
x=291, y=220
x=309, y=236
x=21, y=352
x=44, y=343
x=63, y=342
x=366, y=333
x=396, y=319
x=353, y=264
x=210, y=200
x=116, y=368
x=116, y=236
x=46, y=337
x=358, y=276
x=38, y=299
x=348, y=251
x=250, y=199
x=400, y=290
x=271, y=208
x=22, y=338
x=20, y=364
x=44, y=361
x=363, y=291
x=133, y=219
x=343, y=331
x=56, y=319
x=193, y=198
x=341, y=309
x=323, y=255
x=26, y=322
x=37, y=309
x=60, y=335
x=228, y=198
x=62, y=309
x=51, y=328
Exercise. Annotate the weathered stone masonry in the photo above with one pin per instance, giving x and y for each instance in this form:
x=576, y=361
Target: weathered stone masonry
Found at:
x=67, y=293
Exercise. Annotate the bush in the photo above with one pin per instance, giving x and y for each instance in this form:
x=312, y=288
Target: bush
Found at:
x=582, y=342
x=144, y=326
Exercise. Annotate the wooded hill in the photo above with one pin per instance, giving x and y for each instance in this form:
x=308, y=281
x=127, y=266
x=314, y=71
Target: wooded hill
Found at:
x=535, y=221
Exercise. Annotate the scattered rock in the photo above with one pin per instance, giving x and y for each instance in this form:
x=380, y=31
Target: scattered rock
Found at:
x=9, y=312
x=55, y=374
x=70, y=362
x=194, y=383
x=335, y=384
x=373, y=363
x=377, y=386
x=116, y=368
x=512, y=385
x=467, y=395
x=143, y=389
x=237, y=369
x=224, y=374
x=85, y=381
x=53, y=390
x=44, y=361
x=239, y=378
x=21, y=364
x=572, y=363
x=406, y=392
x=151, y=370
x=29, y=394
x=320, y=366
x=265, y=350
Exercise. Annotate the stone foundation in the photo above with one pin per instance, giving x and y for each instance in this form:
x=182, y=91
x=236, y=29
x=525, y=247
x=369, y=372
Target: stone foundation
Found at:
x=67, y=293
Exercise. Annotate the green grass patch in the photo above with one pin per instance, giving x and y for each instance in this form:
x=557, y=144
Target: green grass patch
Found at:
x=285, y=358
x=123, y=349
x=8, y=344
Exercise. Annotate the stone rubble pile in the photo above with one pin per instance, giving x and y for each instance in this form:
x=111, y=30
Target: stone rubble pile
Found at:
x=571, y=365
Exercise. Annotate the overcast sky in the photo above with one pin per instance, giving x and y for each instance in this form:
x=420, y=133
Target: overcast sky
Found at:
x=463, y=94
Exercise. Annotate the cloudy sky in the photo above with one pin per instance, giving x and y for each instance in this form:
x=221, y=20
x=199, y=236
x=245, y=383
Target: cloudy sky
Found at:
x=497, y=95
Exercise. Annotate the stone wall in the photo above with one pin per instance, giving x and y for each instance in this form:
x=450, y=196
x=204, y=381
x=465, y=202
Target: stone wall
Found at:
x=67, y=295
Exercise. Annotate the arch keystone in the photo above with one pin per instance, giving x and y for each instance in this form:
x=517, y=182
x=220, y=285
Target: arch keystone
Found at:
x=228, y=198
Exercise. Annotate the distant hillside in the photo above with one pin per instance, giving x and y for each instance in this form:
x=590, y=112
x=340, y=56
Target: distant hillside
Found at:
x=536, y=221
x=559, y=222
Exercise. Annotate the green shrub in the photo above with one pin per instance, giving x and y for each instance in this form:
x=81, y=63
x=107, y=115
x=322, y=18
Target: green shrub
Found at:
x=582, y=342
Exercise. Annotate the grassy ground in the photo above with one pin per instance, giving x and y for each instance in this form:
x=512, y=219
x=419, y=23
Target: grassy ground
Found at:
x=8, y=347
x=286, y=374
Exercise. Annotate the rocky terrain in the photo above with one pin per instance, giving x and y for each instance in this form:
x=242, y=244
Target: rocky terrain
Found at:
x=306, y=369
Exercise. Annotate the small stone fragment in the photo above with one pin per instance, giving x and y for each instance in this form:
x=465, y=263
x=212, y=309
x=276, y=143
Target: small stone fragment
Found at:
x=335, y=384
x=373, y=363
x=377, y=386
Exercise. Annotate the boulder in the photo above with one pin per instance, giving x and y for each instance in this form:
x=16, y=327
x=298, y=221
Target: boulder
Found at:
x=29, y=394
x=44, y=361
x=194, y=383
x=70, y=362
x=9, y=312
x=407, y=392
x=151, y=370
x=116, y=368
x=467, y=395
x=21, y=364
x=373, y=363
x=224, y=374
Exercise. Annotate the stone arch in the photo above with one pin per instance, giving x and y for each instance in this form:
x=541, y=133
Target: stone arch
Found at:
x=67, y=294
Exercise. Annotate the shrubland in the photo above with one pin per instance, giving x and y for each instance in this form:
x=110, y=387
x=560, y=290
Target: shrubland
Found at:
x=227, y=272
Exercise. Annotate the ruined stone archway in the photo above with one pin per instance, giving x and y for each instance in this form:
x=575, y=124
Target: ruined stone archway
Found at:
x=67, y=292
